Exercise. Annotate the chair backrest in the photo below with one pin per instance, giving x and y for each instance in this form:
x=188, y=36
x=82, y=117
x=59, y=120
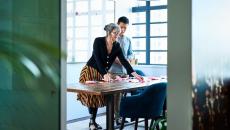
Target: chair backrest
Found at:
x=154, y=97
x=141, y=73
x=147, y=104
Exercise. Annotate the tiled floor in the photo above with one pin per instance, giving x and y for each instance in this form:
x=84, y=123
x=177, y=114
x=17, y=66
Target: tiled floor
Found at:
x=83, y=125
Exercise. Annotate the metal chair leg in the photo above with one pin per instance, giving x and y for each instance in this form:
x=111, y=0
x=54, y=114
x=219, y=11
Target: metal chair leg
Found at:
x=146, y=123
x=136, y=124
x=122, y=123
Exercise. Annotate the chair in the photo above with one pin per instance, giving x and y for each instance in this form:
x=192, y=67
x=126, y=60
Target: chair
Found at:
x=140, y=72
x=148, y=104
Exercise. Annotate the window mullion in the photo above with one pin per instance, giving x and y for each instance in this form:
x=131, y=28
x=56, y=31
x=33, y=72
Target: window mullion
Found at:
x=147, y=32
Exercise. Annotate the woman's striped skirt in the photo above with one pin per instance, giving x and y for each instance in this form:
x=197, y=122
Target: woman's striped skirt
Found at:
x=88, y=73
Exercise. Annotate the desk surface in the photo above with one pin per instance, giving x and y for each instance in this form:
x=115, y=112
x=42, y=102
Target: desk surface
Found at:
x=103, y=88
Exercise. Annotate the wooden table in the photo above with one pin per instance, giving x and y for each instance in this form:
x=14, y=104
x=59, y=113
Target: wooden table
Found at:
x=108, y=89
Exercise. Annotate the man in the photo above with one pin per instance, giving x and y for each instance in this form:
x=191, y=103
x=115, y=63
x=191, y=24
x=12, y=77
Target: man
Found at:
x=117, y=68
x=125, y=44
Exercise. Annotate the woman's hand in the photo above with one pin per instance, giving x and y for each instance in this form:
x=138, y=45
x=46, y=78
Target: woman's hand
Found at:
x=138, y=77
x=107, y=77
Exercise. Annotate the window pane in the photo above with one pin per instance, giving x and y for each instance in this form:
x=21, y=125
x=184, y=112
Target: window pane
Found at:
x=136, y=3
x=69, y=21
x=81, y=32
x=96, y=19
x=81, y=44
x=82, y=20
x=140, y=56
x=139, y=30
x=70, y=7
x=81, y=6
x=158, y=44
x=159, y=15
x=158, y=2
x=69, y=45
x=158, y=57
x=81, y=56
x=97, y=32
x=139, y=44
x=109, y=5
x=69, y=33
x=70, y=56
x=109, y=18
x=96, y=4
x=138, y=17
x=158, y=29
x=69, y=50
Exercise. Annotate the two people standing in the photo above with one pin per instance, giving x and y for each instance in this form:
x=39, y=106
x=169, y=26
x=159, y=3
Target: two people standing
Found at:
x=105, y=51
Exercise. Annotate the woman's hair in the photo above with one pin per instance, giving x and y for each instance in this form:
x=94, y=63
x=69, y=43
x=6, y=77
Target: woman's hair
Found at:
x=110, y=27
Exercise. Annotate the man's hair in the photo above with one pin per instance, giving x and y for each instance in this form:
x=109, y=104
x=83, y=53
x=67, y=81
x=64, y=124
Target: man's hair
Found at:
x=123, y=19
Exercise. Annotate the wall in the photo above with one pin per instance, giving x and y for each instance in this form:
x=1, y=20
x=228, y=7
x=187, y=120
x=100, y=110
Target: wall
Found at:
x=179, y=92
x=24, y=105
x=5, y=24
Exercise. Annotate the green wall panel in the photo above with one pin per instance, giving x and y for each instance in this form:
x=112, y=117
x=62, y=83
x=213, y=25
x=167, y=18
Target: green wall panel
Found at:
x=26, y=106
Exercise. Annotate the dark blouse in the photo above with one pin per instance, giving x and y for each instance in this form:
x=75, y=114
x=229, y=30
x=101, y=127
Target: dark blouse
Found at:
x=102, y=61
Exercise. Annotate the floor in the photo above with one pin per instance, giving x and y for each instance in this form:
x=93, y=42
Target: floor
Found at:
x=83, y=125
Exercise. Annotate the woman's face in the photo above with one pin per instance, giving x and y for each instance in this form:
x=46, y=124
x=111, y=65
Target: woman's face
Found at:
x=114, y=35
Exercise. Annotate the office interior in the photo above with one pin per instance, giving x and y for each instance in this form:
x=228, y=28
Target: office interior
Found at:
x=83, y=26
x=186, y=41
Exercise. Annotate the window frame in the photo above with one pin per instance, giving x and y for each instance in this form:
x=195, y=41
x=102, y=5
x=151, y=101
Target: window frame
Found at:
x=147, y=9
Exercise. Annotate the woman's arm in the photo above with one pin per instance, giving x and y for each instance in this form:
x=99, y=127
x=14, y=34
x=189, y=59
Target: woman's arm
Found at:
x=137, y=76
x=127, y=66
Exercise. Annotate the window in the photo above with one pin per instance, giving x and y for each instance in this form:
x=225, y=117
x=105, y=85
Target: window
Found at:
x=150, y=32
x=149, y=28
x=85, y=21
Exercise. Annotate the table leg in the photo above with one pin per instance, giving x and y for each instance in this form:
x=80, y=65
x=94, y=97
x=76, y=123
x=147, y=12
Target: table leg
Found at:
x=110, y=112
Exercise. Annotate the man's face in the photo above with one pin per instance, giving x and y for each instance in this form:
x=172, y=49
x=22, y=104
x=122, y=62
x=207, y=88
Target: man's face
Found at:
x=123, y=27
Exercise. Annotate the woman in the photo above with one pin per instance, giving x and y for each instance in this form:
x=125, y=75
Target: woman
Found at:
x=105, y=51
